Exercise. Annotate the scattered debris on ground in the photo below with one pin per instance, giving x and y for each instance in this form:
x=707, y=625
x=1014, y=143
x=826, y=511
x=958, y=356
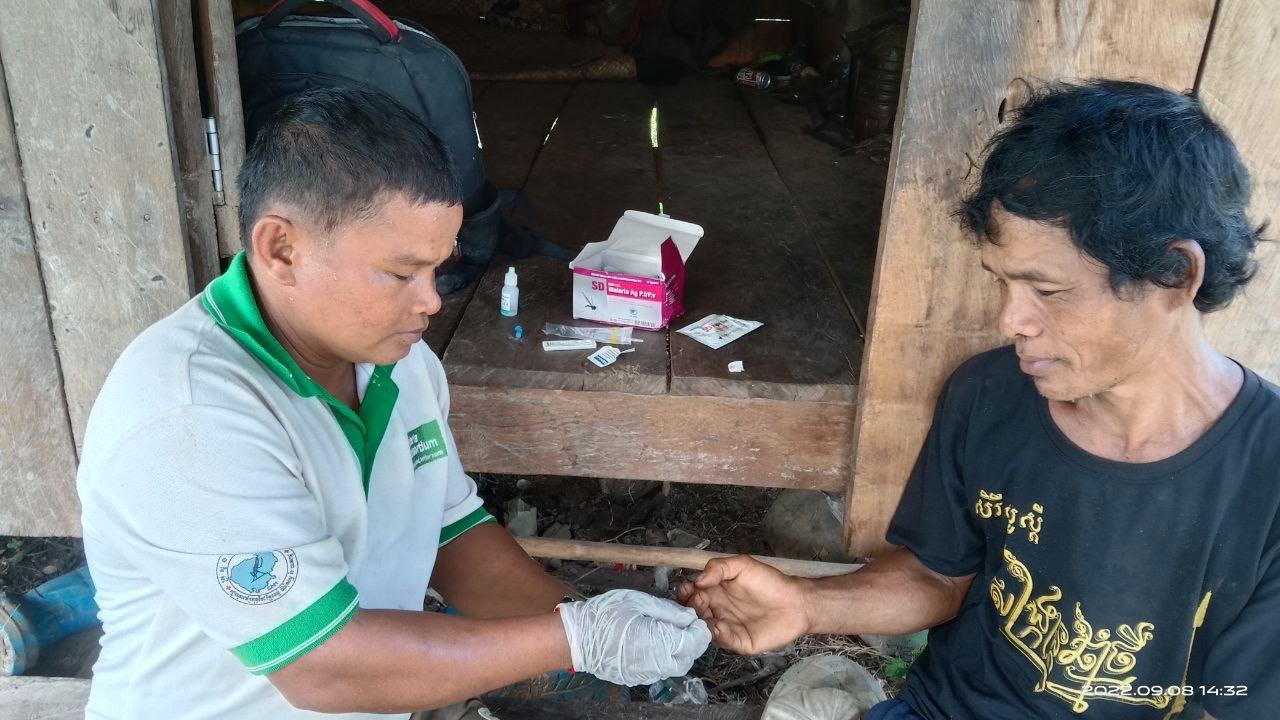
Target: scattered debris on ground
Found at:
x=721, y=518
x=637, y=513
x=26, y=563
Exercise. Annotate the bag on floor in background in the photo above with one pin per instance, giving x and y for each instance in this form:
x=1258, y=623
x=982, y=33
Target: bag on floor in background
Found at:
x=281, y=54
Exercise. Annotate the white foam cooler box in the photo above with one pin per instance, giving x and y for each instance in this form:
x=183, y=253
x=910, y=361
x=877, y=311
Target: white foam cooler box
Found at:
x=637, y=276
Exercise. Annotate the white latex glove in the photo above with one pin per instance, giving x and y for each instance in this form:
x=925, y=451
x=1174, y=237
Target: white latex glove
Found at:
x=630, y=638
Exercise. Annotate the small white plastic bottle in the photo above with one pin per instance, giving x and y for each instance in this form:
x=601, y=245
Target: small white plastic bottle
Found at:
x=510, y=294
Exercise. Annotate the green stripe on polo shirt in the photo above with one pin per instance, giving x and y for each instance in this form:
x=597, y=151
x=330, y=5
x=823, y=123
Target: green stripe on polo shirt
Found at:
x=229, y=299
x=301, y=633
x=450, y=532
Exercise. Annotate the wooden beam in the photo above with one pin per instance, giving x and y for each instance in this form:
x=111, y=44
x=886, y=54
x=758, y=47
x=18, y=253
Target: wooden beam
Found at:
x=1240, y=86
x=41, y=698
x=222, y=87
x=655, y=556
x=729, y=441
x=37, y=452
x=177, y=40
x=927, y=312
x=92, y=123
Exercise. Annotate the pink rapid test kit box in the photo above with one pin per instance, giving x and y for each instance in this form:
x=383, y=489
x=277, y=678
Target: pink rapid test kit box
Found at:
x=636, y=277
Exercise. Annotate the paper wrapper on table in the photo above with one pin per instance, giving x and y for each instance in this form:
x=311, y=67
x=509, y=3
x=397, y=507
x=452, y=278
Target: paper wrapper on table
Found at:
x=637, y=276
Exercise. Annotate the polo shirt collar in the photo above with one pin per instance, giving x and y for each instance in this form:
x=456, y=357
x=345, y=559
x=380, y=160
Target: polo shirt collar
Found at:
x=229, y=299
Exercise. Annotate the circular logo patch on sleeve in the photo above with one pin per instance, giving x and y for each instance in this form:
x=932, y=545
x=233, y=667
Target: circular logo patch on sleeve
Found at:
x=258, y=578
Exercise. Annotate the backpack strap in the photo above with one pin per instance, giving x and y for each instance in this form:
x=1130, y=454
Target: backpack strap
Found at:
x=378, y=22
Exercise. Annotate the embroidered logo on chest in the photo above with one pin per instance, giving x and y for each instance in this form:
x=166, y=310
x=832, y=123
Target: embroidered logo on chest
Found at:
x=426, y=443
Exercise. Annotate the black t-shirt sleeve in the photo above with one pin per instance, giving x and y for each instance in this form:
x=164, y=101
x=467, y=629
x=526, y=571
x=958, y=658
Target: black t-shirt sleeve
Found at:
x=1247, y=654
x=933, y=518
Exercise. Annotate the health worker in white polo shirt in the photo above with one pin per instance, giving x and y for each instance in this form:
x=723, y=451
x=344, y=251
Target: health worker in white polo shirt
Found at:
x=269, y=482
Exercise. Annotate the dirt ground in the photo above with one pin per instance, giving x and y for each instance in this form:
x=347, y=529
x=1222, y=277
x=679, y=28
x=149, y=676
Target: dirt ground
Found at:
x=731, y=517
x=25, y=563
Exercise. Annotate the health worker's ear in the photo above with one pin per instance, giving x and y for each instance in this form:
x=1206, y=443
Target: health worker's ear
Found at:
x=274, y=248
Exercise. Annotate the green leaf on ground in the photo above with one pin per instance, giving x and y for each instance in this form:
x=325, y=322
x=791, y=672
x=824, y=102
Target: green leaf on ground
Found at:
x=896, y=668
x=14, y=543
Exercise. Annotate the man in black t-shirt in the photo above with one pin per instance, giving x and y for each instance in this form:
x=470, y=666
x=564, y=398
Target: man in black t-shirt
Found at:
x=1091, y=528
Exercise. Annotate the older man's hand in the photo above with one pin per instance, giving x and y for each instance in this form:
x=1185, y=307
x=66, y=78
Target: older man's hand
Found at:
x=750, y=606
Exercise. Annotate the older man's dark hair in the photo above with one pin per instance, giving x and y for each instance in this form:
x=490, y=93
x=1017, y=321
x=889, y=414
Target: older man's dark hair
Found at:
x=1127, y=169
x=336, y=154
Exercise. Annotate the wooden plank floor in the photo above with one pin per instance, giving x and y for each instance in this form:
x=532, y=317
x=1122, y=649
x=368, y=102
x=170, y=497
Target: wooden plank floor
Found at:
x=670, y=410
x=513, y=118
x=595, y=165
x=840, y=197
x=756, y=261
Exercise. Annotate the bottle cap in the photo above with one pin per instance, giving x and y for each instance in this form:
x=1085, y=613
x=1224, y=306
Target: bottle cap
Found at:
x=510, y=279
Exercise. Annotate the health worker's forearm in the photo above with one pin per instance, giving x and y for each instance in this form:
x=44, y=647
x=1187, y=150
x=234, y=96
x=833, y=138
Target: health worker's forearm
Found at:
x=484, y=573
x=389, y=661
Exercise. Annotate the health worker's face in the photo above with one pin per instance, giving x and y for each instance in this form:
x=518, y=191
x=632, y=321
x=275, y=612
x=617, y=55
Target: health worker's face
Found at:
x=1074, y=336
x=366, y=292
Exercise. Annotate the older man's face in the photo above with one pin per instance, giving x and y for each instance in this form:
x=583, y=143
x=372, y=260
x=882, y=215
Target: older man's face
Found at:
x=1073, y=335
x=367, y=292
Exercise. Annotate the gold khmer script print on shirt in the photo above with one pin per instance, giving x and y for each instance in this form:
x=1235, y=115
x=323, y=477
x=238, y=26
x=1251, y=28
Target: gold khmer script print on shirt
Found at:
x=1077, y=663
x=991, y=505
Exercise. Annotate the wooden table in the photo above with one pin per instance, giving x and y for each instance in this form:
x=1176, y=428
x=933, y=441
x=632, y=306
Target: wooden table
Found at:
x=778, y=226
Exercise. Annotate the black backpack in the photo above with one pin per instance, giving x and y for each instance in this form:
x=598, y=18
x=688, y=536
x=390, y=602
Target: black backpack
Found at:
x=282, y=54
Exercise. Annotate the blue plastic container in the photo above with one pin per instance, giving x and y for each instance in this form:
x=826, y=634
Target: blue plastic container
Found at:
x=61, y=607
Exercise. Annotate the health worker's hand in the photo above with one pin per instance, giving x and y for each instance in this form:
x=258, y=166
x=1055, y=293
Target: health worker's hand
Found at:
x=631, y=638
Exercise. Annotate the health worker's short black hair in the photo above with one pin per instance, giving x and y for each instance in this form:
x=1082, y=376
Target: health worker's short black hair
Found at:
x=336, y=154
x=1126, y=168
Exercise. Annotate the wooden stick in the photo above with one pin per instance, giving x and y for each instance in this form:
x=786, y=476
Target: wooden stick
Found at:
x=651, y=556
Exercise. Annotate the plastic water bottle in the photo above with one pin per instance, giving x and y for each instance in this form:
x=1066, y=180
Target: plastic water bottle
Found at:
x=679, y=691
x=510, y=294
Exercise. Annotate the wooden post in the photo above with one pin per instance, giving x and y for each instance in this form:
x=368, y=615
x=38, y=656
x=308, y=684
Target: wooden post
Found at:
x=37, y=453
x=1240, y=85
x=222, y=85
x=177, y=39
x=931, y=308
x=92, y=125
x=652, y=556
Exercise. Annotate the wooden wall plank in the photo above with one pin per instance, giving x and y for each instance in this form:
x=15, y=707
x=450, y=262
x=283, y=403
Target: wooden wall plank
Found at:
x=930, y=308
x=88, y=101
x=37, y=452
x=177, y=39
x=727, y=441
x=1240, y=86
